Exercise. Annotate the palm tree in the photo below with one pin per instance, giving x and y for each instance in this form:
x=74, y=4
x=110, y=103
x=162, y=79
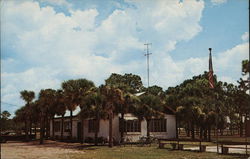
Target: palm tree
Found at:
x=60, y=109
x=129, y=84
x=129, y=104
x=21, y=115
x=46, y=100
x=73, y=92
x=150, y=107
x=114, y=97
x=27, y=96
x=55, y=107
x=93, y=107
x=34, y=109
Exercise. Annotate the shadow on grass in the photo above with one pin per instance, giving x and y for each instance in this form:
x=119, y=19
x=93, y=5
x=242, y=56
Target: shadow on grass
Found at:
x=55, y=144
x=243, y=156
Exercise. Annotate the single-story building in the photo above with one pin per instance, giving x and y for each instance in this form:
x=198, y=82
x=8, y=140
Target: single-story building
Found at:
x=134, y=129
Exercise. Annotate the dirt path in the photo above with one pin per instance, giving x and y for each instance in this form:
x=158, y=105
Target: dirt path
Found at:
x=32, y=150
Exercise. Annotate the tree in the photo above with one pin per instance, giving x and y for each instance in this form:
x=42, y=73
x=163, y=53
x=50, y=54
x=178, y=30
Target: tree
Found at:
x=114, y=97
x=93, y=108
x=150, y=107
x=197, y=100
x=46, y=101
x=5, y=121
x=129, y=84
x=61, y=107
x=127, y=106
x=20, y=116
x=27, y=96
x=245, y=67
x=5, y=115
x=156, y=91
x=73, y=92
x=34, y=114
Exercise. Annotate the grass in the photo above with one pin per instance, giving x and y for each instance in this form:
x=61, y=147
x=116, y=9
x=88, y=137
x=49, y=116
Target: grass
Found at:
x=135, y=152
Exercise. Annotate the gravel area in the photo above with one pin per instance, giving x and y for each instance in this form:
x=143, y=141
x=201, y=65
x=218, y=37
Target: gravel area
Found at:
x=33, y=150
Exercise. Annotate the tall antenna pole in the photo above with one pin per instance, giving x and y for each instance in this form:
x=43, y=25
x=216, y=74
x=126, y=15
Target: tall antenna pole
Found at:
x=147, y=54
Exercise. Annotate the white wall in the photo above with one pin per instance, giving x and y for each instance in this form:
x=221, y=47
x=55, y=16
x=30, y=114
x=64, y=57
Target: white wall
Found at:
x=171, y=126
x=65, y=134
x=103, y=129
x=132, y=136
x=170, y=133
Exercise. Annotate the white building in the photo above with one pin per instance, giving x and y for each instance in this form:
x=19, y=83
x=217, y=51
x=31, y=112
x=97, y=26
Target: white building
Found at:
x=159, y=128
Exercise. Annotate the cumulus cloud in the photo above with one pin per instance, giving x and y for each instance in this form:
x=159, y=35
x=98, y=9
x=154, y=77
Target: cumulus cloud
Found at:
x=48, y=47
x=231, y=58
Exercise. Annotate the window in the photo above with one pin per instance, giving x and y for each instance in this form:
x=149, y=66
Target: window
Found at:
x=57, y=126
x=131, y=126
x=67, y=126
x=93, y=126
x=158, y=125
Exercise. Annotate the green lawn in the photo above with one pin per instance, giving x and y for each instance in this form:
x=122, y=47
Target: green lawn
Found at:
x=134, y=152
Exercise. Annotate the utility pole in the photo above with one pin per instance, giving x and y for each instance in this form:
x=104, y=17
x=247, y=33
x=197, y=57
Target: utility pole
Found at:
x=147, y=54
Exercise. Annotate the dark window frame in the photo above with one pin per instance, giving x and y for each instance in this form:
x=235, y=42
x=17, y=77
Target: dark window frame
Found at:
x=158, y=125
x=57, y=126
x=131, y=125
x=92, y=125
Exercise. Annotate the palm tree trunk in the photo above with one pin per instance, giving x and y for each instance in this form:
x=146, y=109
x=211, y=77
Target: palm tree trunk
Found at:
x=62, y=127
x=148, y=128
x=30, y=126
x=35, y=129
x=111, y=128
x=188, y=129
x=44, y=126
x=47, y=127
x=41, y=129
x=201, y=130
x=122, y=127
x=53, y=128
x=192, y=130
x=71, y=124
x=231, y=128
x=96, y=131
x=205, y=133
x=241, y=126
x=82, y=131
x=177, y=124
x=26, y=130
x=209, y=132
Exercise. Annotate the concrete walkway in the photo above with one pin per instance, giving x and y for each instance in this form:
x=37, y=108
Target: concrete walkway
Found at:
x=214, y=149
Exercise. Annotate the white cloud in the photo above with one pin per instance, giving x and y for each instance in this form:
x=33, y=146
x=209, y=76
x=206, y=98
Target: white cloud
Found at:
x=218, y=2
x=32, y=79
x=231, y=58
x=245, y=36
x=57, y=47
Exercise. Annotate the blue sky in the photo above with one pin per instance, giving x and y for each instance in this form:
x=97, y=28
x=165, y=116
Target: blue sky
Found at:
x=44, y=42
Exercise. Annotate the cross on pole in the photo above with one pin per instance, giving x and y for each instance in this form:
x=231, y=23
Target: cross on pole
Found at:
x=147, y=54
